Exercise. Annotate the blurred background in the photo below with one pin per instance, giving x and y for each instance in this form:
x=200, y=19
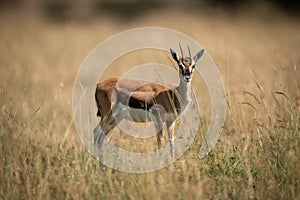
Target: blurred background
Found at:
x=255, y=45
x=132, y=9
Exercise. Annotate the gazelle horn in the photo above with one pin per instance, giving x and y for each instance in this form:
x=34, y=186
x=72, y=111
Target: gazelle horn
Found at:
x=181, y=50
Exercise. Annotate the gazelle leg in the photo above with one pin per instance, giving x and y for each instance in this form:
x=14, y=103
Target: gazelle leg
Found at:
x=159, y=131
x=107, y=123
x=99, y=136
x=156, y=117
x=100, y=132
x=158, y=137
x=171, y=136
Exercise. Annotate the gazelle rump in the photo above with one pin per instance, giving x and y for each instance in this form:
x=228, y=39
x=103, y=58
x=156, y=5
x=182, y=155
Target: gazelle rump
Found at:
x=143, y=101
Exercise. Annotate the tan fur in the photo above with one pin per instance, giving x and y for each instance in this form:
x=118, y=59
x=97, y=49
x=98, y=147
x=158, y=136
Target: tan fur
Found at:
x=141, y=90
x=186, y=63
x=143, y=97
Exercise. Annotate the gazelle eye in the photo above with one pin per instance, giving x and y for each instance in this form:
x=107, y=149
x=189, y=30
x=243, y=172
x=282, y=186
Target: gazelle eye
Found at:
x=193, y=66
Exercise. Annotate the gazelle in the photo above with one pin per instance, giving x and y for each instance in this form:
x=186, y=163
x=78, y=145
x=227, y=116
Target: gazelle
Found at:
x=145, y=101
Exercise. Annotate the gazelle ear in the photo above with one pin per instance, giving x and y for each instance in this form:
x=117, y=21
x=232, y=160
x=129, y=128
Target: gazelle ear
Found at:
x=198, y=55
x=174, y=55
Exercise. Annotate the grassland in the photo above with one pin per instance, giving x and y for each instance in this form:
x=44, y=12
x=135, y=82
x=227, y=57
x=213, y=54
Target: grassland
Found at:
x=257, y=156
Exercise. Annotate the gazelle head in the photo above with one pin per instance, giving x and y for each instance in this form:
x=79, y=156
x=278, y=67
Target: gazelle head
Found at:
x=186, y=64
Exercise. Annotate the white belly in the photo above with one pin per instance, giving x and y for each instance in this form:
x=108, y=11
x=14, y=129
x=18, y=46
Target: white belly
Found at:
x=140, y=115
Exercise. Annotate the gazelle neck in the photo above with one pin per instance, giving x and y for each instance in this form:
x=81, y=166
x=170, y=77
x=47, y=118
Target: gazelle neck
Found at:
x=184, y=89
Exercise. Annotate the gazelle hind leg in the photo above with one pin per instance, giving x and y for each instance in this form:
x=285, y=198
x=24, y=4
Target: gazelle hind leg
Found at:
x=107, y=123
x=99, y=137
x=100, y=133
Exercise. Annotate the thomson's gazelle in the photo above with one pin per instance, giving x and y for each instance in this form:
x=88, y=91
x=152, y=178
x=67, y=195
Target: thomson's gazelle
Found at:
x=145, y=101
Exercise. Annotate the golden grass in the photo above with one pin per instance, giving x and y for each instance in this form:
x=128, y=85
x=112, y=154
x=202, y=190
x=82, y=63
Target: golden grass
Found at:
x=256, y=157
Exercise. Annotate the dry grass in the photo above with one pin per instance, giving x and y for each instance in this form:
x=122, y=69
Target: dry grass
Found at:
x=256, y=157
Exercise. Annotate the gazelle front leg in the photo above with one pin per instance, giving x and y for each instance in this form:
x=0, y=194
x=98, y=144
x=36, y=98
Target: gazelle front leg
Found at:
x=159, y=135
x=159, y=130
x=157, y=117
x=171, y=136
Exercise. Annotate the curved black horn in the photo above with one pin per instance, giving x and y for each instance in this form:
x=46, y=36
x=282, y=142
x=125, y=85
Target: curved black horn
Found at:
x=181, y=50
